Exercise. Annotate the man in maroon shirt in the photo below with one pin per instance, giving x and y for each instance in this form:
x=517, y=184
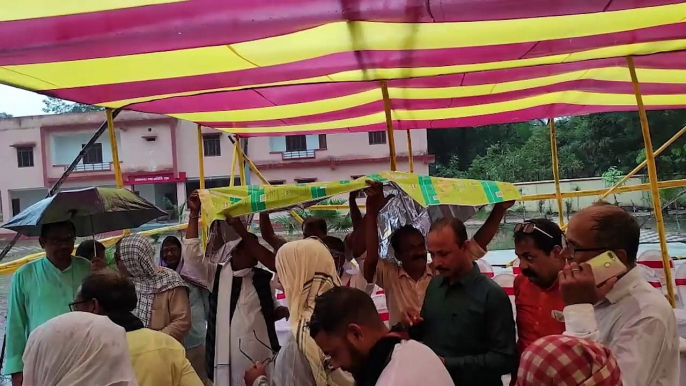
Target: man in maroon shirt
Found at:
x=539, y=304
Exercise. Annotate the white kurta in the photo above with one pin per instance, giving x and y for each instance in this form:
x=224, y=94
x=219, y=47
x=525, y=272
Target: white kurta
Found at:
x=248, y=322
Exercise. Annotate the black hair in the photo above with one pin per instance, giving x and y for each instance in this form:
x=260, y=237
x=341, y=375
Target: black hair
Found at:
x=338, y=307
x=317, y=222
x=45, y=228
x=402, y=232
x=88, y=249
x=616, y=228
x=455, y=224
x=334, y=243
x=114, y=292
x=543, y=242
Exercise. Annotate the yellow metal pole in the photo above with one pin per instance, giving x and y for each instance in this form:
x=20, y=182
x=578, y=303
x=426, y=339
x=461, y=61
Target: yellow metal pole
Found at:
x=201, y=178
x=115, y=150
x=115, y=155
x=556, y=171
x=241, y=161
x=652, y=175
x=389, y=125
x=264, y=180
x=234, y=159
x=409, y=151
x=643, y=164
x=201, y=159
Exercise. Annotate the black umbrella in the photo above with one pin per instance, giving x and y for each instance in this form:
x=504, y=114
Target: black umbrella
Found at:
x=92, y=210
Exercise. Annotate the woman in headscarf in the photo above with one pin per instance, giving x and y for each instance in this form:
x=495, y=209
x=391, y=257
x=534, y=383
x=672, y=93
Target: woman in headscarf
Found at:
x=561, y=360
x=171, y=256
x=78, y=348
x=306, y=270
x=163, y=303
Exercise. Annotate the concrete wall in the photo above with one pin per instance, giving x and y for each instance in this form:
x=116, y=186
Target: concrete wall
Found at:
x=541, y=187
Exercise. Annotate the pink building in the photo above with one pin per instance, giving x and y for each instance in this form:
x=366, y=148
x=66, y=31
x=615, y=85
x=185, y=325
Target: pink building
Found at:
x=159, y=158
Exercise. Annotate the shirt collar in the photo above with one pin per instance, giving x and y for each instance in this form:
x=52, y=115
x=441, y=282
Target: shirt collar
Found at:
x=624, y=285
x=427, y=272
x=466, y=280
x=48, y=264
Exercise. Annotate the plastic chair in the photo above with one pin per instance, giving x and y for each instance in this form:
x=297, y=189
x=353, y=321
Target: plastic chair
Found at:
x=515, y=267
x=379, y=298
x=506, y=281
x=653, y=259
x=485, y=268
x=650, y=276
x=680, y=279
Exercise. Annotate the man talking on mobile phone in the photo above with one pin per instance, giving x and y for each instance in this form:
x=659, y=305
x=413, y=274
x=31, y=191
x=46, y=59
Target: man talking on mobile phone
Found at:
x=624, y=313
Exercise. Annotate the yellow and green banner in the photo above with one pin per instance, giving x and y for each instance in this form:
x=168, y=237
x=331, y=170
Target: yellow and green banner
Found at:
x=426, y=190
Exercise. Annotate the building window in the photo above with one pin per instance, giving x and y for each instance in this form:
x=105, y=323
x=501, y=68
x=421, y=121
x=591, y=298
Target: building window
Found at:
x=211, y=145
x=277, y=182
x=93, y=155
x=296, y=143
x=16, y=206
x=377, y=137
x=322, y=142
x=305, y=180
x=25, y=156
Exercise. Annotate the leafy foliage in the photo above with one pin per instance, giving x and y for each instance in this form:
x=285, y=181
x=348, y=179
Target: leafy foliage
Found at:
x=588, y=146
x=5, y=115
x=60, y=106
x=338, y=221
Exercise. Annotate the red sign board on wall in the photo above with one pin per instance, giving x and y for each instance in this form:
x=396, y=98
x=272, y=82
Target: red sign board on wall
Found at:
x=158, y=178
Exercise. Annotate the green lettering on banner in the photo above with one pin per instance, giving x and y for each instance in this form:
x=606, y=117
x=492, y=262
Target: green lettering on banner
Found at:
x=428, y=191
x=376, y=177
x=492, y=191
x=257, y=203
x=318, y=191
x=233, y=200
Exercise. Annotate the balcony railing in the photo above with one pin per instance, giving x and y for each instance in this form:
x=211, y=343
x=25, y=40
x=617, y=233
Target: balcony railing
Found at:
x=101, y=167
x=301, y=154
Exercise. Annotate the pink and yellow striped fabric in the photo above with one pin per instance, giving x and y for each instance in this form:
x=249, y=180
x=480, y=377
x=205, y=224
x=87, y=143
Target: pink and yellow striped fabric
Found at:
x=264, y=67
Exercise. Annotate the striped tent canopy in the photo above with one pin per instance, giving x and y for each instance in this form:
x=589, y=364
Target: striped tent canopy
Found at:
x=261, y=67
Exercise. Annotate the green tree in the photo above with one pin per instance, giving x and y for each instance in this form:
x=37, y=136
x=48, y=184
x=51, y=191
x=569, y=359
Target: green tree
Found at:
x=5, y=115
x=60, y=106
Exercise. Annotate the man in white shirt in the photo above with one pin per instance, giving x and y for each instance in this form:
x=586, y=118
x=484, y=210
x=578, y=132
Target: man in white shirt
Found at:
x=626, y=314
x=350, y=332
x=242, y=308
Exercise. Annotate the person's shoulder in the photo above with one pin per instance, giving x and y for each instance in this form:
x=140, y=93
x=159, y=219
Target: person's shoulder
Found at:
x=494, y=290
x=29, y=268
x=81, y=262
x=151, y=340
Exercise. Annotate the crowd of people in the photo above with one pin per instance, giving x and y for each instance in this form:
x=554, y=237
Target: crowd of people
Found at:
x=192, y=317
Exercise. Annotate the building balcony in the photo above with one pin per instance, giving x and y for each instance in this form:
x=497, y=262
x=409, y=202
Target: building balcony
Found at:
x=99, y=167
x=300, y=154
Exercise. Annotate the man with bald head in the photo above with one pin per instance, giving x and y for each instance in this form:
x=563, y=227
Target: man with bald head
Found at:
x=625, y=313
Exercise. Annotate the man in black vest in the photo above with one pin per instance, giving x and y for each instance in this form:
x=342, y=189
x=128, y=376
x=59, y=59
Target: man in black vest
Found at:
x=240, y=327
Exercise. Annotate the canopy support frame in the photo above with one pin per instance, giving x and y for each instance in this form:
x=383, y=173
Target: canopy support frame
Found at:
x=643, y=164
x=409, y=151
x=556, y=171
x=389, y=125
x=201, y=159
x=652, y=175
x=234, y=160
x=261, y=176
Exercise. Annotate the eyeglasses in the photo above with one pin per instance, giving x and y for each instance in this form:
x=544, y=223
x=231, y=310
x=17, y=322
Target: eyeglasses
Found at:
x=271, y=359
x=573, y=249
x=528, y=228
x=72, y=305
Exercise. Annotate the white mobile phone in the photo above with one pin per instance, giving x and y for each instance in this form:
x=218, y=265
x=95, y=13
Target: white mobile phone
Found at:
x=606, y=266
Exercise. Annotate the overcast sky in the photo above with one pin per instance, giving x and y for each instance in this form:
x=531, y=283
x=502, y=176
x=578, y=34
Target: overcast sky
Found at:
x=19, y=102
